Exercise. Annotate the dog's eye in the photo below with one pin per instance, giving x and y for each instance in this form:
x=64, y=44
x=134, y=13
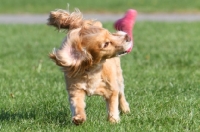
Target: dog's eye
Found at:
x=106, y=44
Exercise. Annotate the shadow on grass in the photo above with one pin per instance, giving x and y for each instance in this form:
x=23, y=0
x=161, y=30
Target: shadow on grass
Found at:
x=58, y=118
x=7, y=115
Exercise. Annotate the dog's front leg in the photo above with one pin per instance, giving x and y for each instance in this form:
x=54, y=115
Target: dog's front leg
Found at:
x=112, y=106
x=77, y=105
x=123, y=104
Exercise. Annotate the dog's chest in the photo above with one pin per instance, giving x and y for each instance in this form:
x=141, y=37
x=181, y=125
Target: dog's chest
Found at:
x=88, y=83
x=91, y=84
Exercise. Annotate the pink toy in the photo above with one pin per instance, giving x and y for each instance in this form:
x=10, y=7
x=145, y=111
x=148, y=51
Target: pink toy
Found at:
x=126, y=23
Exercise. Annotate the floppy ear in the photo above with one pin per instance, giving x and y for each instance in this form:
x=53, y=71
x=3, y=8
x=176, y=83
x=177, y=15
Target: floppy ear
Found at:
x=72, y=56
x=62, y=19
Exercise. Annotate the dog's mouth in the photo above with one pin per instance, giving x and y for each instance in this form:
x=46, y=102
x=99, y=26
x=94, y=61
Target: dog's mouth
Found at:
x=122, y=53
x=127, y=49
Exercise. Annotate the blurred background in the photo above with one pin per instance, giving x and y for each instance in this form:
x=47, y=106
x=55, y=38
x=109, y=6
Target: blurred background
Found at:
x=34, y=11
x=99, y=6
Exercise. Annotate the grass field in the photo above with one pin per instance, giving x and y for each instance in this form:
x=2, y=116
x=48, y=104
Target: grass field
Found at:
x=162, y=79
x=117, y=6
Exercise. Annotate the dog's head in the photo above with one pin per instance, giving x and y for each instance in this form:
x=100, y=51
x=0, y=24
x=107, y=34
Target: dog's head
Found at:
x=87, y=43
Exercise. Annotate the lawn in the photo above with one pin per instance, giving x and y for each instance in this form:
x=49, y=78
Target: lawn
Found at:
x=116, y=6
x=162, y=79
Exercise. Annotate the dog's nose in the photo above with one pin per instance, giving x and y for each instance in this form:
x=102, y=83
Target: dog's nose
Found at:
x=127, y=38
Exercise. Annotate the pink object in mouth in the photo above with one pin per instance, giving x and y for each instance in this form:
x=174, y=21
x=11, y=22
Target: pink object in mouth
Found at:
x=130, y=49
x=126, y=24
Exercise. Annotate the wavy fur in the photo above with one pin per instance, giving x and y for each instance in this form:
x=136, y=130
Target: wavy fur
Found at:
x=88, y=58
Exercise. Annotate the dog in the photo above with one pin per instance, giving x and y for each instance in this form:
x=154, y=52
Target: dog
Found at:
x=89, y=56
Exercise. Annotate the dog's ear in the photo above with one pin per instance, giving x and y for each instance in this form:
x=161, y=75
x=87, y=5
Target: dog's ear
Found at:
x=72, y=56
x=62, y=19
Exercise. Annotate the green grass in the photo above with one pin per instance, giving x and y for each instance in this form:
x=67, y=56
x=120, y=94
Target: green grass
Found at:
x=117, y=6
x=162, y=79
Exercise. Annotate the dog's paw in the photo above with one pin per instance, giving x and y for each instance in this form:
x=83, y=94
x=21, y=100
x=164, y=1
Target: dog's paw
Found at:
x=125, y=110
x=113, y=120
x=77, y=120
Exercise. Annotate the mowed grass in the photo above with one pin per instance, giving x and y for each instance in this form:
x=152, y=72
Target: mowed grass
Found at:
x=100, y=6
x=162, y=80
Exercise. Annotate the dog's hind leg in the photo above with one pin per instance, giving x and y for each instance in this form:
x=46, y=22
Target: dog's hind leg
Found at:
x=77, y=105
